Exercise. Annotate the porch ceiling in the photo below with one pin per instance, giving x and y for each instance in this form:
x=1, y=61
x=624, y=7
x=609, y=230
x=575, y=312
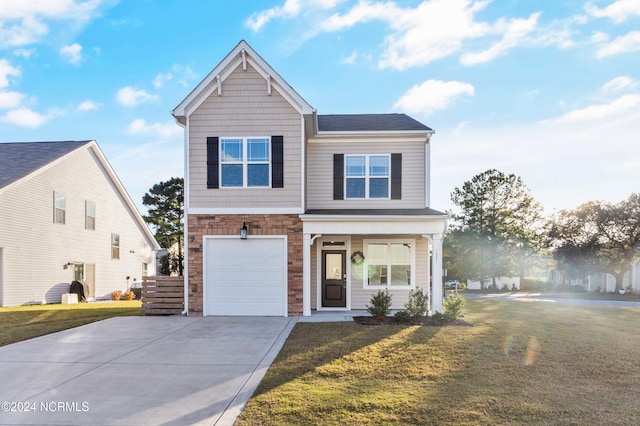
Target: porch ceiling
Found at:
x=363, y=222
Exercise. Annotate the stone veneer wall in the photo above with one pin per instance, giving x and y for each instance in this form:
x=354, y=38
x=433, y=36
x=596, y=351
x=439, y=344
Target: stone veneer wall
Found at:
x=258, y=224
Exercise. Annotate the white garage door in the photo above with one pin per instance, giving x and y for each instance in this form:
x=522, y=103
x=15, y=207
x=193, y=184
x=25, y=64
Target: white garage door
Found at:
x=245, y=277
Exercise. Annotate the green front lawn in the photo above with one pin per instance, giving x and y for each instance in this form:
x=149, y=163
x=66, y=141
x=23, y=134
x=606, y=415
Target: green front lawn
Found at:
x=521, y=363
x=25, y=322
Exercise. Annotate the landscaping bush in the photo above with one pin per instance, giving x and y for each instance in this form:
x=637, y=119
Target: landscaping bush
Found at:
x=417, y=304
x=453, y=305
x=129, y=295
x=380, y=304
x=116, y=295
x=403, y=316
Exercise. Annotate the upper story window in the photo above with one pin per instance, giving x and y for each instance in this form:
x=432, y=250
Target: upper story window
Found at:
x=245, y=162
x=59, y=207
x=115, y=246
x=367, y=176
x=89, y=215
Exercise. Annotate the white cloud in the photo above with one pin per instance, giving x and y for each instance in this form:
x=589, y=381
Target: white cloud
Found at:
x=618, y=11
x=514, y=33
x=623, y=44
x=164, y=131
x=289, y=9
x=616, y=108
x=24, y=117
x=130, y=96
x=25, y=22
x=161, y=79
x=72, y=52
x=10, y=99
x=599, y=37
x=24, y=53
x=432, y=95
x=89, y=105
x=7, y=70
x=620, y=84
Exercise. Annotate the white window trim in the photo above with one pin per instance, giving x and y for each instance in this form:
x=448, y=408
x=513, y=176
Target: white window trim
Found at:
x=367, y=177
x=245, y=162
x=388, y=286
x=63, y=197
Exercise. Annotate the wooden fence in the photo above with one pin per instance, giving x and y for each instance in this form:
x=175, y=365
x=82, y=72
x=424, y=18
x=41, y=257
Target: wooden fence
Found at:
x=162, y=295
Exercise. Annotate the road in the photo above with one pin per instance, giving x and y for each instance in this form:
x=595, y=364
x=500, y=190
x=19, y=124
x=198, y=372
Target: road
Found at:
x=567, y=298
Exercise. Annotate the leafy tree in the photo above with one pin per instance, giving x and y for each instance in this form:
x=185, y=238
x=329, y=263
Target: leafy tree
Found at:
x=598, y=237
x=165, y=201
x=497, y=229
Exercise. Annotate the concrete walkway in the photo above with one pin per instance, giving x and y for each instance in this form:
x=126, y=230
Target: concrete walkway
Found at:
x=140, y=371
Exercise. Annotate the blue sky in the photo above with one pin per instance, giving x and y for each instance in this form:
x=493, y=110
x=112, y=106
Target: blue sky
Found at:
x=548, y=90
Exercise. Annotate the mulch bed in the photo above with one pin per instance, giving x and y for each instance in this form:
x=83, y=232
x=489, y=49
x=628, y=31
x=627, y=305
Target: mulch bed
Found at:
x=369, y=320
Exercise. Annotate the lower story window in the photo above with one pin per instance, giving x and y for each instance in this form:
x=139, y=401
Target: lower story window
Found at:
x=389, y=263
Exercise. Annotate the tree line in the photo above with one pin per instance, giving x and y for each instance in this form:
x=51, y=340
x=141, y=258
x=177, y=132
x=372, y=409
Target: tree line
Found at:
x=499, y=230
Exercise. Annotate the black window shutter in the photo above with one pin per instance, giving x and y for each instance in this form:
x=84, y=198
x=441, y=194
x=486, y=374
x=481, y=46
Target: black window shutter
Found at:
x=277, y=161
x=212, y=162
x=396, y=176
x=338, y=176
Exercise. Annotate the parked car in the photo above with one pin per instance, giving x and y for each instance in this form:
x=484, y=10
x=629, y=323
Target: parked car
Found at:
x=452, y=284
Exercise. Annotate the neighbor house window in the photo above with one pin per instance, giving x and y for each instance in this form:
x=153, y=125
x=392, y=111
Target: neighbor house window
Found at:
x=245, y=162
x=89, y=215
x=59, y=207
x=115, y=246
x=389, y=263
x=367, y=176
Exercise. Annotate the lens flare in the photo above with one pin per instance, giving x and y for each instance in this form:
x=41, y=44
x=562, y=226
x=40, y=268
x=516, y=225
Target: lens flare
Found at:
x=522, y=349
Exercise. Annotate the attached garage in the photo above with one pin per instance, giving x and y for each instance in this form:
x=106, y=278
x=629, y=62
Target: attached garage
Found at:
x=245, y=277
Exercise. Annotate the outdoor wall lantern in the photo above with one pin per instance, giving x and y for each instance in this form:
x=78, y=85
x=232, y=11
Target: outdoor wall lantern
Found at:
x=243, y=231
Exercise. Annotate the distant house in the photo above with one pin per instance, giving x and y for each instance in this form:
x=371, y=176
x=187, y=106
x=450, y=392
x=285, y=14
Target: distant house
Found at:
x=65, y=216
x=290, y=212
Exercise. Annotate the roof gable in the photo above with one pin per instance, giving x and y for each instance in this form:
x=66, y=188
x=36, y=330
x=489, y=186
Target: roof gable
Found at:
x=370, y=123
x=19, y=159
x=240, y=56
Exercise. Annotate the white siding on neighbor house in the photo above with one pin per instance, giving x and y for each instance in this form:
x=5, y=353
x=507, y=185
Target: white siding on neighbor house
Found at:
x=320, y=171
x=244, y=110
x=360, y=296
x=35, y=249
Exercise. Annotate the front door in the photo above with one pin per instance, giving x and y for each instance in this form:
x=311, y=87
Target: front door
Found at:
x=334, y=279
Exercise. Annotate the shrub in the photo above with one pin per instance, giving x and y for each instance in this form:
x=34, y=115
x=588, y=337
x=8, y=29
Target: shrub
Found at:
x=129, y=295
x=439, y=317
x=453, y=305
x=418, y=303
x=380, y=304
x=116, y=295
x=402, y=316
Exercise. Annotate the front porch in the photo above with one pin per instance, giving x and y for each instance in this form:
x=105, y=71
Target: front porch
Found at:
x=349, y=255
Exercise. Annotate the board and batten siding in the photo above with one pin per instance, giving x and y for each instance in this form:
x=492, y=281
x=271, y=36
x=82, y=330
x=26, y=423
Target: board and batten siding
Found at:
x=320, y=172
x=245, y=110
x=361, y=296
x=34, y=249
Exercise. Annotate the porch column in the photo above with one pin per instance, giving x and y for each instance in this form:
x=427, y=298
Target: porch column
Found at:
x=306, y=275
x=436, y=273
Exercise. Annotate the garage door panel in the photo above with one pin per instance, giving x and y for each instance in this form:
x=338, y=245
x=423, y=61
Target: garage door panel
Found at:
x=245, y=277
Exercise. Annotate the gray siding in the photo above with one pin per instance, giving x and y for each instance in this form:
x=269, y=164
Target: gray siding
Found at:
x=320, y=172
x=245, y=109
x=34, y=249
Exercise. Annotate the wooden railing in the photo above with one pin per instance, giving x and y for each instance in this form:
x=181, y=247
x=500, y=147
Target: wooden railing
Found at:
x=162, y=295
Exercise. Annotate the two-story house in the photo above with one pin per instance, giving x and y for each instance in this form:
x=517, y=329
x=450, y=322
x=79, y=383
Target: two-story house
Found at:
x=65, y=216
x=290, y=212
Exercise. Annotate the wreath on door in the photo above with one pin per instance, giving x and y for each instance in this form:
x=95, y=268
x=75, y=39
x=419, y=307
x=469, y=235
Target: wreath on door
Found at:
x=357, y=258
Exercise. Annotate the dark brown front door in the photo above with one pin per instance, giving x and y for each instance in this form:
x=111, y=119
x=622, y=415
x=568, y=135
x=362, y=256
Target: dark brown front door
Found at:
x=334, y=279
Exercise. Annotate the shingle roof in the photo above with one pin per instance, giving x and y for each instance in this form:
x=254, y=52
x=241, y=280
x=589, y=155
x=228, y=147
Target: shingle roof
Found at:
x=18, y=159
x=368, y=122
x=377, y=212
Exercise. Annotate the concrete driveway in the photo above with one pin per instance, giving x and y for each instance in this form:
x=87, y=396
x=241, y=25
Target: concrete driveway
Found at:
x=140, y=371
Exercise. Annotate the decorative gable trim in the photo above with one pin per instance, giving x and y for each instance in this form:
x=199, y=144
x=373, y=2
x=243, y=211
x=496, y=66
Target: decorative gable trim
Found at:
x=242, y=54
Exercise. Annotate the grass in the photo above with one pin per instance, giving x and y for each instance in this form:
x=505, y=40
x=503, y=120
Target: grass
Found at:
x=25, y=322
x=521, y=363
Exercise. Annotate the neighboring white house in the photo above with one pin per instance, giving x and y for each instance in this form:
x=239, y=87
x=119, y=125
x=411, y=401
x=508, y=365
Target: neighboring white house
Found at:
x=64, y=216
x=288, y=211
